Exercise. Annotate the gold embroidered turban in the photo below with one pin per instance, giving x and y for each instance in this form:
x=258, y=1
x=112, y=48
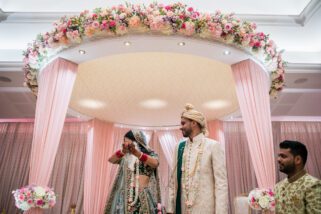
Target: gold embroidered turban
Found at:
x=190, y=113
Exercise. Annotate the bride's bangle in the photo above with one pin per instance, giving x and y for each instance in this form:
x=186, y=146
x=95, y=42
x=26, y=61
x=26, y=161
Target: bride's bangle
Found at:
x=143, y=157
x=119, y=154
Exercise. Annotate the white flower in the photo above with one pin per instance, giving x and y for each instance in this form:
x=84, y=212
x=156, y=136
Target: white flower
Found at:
x=40, y=191
x=24, y=206
x=264, y=202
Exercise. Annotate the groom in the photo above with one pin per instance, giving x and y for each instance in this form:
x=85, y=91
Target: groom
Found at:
x=198, y=183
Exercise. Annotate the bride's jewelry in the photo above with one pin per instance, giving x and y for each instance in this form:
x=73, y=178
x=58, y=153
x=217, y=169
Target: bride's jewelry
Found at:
x=134, y=185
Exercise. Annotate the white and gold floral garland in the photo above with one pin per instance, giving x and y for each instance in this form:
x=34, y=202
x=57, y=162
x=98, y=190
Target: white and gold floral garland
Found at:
x=134, y=185
x=190, y=178
x=156, y=18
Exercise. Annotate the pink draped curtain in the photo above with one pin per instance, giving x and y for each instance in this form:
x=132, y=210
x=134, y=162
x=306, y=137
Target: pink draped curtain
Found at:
x=252, y=88
x=15, y=147
x=67, y=176
x=55, y=86
x=165, y=142
x=216, y=131
x=118, y=140
x=240, y=173
x=100, y=145
x=168, y=140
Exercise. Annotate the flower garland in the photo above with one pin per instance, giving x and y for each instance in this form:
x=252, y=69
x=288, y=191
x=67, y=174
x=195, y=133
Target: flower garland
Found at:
x=134, y=186
x=262, y=199
x=33, y=196
x=169, y=19
x=190, y=183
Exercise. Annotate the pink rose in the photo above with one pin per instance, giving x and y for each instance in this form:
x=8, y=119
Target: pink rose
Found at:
x=94, y=16
x=40, y=202
x=103, y=25
x=228, y=27
x=112, y=23
x=134, y=21
x=189, y=28
x=168, y=7
x=21, y=197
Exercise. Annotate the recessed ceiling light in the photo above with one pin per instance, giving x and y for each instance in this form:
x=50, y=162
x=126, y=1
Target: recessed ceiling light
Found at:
x=216, y=104
x=82, y=51
x=181, y=43
x=300, y=80
x=93, y=104
x=227, y=52
x=5, y=79
x=153, y=104
x=127, y=43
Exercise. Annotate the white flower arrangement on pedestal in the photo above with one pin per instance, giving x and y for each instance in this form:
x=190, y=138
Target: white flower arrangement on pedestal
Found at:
x=33, y=196
x=262, y=199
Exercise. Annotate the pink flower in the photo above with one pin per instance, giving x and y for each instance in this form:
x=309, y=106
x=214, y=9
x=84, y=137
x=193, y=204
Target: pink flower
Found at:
x=52, y=203
x=182, y=16
x=190, y=9
x=156, y=23
x=94, y=16
x=261, y=35
x=104, y=25
x=30, y=201
x=21, y=197
x=253, y=26
x=168, y=7
x=112, y=23
x=189, y=28
x=170, y=13
x=40, y=202
x=25, y=60
x=227, y=27
x=95, y=24
x=218, y=31
x=134, y=21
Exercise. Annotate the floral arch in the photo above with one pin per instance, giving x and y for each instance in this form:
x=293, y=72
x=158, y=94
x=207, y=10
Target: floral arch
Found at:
x=175, y=19
x=58, y=75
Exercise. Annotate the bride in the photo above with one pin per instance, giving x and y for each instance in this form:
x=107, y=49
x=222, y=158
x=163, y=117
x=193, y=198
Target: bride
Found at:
x=136, y=186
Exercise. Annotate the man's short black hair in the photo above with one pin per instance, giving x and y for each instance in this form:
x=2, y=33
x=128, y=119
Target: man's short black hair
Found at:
x=296, y=148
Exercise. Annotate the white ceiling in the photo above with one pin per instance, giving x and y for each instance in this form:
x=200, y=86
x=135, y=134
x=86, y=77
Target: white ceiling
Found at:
x=293, y=24
x=273, y=7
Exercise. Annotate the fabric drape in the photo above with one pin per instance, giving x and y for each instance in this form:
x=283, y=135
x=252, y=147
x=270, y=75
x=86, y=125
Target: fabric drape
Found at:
x=15, y=147
x=67, y=176
x=55, y=87
x=100, y=144
x=56, y=81
x=68, y=171
x=252, y=87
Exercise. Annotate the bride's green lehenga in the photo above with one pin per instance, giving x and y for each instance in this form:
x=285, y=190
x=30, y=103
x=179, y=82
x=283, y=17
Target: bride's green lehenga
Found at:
x=149, y=199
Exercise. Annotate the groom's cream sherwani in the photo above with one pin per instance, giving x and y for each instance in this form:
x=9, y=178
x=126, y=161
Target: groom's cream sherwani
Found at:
x=212, y=194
